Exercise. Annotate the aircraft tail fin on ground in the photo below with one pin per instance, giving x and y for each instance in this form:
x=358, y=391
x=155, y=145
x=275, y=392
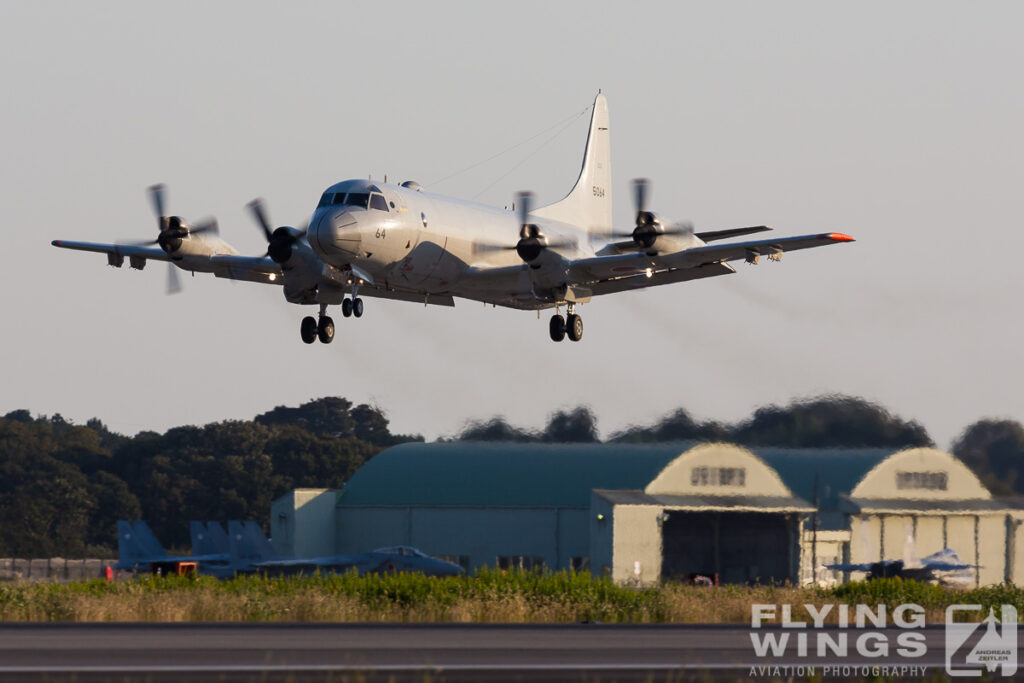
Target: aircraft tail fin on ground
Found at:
x=128, y=547
x=144, y=536
x=197, y=534
x=208, y=539
x=217, y=538
x=248, y=544
x=589, y=204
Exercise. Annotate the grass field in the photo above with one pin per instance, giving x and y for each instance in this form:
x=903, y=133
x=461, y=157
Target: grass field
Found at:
x=489, y=596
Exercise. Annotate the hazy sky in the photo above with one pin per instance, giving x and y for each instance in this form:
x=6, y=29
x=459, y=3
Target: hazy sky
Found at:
x=898, y=123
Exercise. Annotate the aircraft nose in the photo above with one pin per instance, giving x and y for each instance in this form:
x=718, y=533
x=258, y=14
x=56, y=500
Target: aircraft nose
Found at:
x=335, y=234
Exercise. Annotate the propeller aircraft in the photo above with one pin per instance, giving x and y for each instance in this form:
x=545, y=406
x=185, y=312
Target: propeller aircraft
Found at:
x=398, y=241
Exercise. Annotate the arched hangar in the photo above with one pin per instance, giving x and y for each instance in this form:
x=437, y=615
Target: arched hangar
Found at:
x=642, y=513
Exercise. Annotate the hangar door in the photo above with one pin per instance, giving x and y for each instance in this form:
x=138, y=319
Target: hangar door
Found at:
x=741, y=547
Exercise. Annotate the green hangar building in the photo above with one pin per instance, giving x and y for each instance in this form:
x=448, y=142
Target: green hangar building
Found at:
x=642, y=513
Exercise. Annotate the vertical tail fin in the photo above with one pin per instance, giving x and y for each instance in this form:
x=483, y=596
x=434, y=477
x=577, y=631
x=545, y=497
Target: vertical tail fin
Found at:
x=248, y=544
x=197, y=534
x=128, y=549
x=218, y=539
x=208, y=539
x=589, y=204
x=145, y=538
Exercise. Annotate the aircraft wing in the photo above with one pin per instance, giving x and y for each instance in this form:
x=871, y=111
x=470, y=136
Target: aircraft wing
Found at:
x=735, y=251
x=602, y=268
x=128, y=250
x=248, y=268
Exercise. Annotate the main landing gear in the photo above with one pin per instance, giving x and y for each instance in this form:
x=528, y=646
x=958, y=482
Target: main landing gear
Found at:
x=353, y=306
x=570, y=326
x=322, y=328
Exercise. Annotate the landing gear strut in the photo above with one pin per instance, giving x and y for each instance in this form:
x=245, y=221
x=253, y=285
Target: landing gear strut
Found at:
x=570, y=326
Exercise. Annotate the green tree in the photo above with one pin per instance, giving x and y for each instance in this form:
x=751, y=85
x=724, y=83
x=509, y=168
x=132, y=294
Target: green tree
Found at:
x=328, y=416
x=495, y=429
x=573, y=426
x=829, y=422
x=676, y=426
x=994, y=450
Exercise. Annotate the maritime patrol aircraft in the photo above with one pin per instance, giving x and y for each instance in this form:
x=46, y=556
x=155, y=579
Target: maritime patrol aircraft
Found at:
x=398, y=241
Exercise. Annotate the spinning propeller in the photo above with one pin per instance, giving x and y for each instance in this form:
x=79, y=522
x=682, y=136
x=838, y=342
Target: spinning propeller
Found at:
x=649, y=226
x=172, y=230
x=532, y=241
x=280, y=241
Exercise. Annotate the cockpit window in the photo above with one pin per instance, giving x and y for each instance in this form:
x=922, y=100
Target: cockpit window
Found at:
x=357, y=199
x=326, y=199
x=339, y=198
x=377, y=201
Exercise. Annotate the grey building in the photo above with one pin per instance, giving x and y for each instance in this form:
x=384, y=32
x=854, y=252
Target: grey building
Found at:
x=641, y=513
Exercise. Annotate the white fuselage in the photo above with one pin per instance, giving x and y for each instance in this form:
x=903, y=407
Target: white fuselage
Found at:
x=429, y=244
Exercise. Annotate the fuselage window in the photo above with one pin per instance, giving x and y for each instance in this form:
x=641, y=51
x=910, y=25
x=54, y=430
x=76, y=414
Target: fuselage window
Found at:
x=326, y=199
x=377, y=201
x=357, y=199
x=339, y=198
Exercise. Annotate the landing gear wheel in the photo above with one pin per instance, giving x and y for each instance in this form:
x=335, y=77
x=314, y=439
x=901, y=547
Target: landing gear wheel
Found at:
x=346, y=307
x=325, y=330
x=357, y=308
x=557, y=328
x=308, y=329
x=574, y=327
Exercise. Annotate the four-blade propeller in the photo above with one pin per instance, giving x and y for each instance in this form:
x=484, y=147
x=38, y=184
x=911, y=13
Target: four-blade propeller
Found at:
x=281, y=240
x=532, y=241
x=649, y=226
x=172, y=230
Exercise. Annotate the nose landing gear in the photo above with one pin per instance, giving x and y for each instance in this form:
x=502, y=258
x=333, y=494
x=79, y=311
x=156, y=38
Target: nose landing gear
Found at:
x=353, y=306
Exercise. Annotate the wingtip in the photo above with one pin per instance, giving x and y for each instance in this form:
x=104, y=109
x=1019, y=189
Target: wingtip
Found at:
x=840, y=237
x=57, y=243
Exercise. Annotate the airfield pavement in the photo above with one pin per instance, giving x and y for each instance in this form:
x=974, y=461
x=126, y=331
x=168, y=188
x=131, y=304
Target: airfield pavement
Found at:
x=422, y=652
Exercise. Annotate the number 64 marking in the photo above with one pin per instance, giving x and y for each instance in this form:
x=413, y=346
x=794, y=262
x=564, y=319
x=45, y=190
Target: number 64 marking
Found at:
x=381, y=233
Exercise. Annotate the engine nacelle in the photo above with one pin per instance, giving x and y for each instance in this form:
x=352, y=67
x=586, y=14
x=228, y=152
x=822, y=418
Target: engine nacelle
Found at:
x=649, y=226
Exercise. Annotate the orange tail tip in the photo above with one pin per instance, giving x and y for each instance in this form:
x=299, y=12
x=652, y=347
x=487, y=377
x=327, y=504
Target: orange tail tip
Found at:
x=840, y=237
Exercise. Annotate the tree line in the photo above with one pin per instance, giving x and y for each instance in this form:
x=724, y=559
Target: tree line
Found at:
x=63, y=486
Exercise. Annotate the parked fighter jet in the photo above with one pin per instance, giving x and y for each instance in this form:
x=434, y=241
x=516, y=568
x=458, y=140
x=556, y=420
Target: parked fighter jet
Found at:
x=138, y=549
x=400, y=242
x=252, y=552
x=944, y=567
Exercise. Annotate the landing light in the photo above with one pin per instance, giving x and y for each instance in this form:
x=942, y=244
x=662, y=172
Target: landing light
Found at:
x=650, y=272
x=272, y=276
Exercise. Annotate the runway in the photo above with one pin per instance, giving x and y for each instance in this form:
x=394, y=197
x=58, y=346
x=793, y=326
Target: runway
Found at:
x=444, y=652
